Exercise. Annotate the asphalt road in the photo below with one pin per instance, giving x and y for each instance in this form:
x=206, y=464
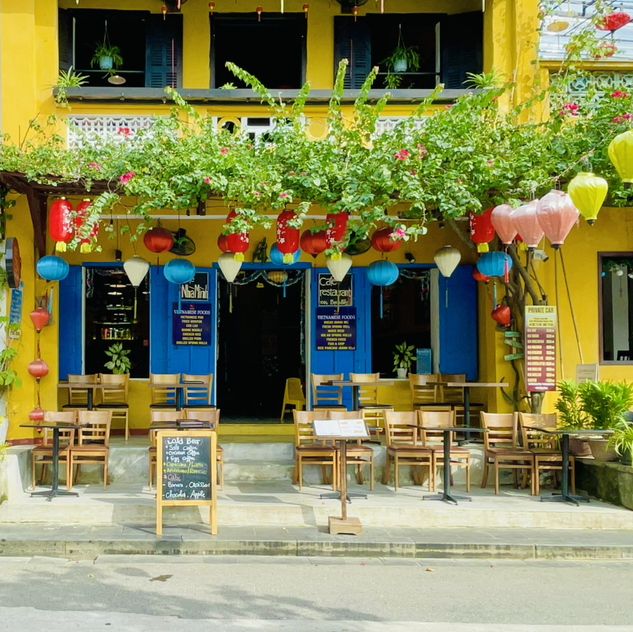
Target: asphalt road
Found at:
x=312, y=594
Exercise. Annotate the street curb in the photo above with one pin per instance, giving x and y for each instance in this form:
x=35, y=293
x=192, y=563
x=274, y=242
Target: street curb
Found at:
x=87, y=549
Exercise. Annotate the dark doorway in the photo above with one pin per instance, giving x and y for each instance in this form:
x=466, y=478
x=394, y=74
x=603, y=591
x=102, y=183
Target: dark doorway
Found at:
x=260, y=342
x=405, y=317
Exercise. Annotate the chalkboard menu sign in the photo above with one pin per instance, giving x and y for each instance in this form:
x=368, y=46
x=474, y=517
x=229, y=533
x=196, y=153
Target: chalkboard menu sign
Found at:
x=186, y=472
x=186, y=468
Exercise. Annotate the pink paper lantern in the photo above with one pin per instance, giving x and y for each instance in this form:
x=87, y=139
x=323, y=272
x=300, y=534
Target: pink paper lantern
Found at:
x=526, y=223
x=556, y=215
x=501, y=218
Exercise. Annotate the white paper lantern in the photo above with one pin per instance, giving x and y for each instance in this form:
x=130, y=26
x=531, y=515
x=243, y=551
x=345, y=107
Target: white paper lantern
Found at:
x=136, y=269
x=229, y=265
x=447, y=259
x=339, y=266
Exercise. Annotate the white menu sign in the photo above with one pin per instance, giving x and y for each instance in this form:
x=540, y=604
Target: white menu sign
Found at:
x=340, y=429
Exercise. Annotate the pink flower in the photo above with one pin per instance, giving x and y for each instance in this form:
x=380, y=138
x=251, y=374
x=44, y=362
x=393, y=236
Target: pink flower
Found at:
x=403, y=154
x=572, y=109
x=126, y=177
x=224, y=151
x=606, y=49
x=284, y=195
x=208, y=181
x=624, y=118
x=620, y=94
x=125, y=131
x=399, y=233
x=95, y=165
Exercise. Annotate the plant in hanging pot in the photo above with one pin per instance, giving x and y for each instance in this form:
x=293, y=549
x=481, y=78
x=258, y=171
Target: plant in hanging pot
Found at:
x=403, y=358
x=106, y=57
x=119, y=362
x=402, y=59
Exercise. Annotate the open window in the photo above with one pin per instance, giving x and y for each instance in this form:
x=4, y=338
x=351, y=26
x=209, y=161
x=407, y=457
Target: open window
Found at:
x=448, y=47
x=150, y=46
x=272, y=48
x=616, y=307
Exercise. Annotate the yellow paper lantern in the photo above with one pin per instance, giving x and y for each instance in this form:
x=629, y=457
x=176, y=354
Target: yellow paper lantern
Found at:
x=621, y=155
x=588, y=192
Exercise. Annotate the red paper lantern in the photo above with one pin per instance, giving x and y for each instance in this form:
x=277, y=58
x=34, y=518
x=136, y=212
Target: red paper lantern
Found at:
x=82, y=214
x=38, y=369
x=313, y=243
x=337, y=227
x=223, y=244
x=502, y=314
x=479, y=277
x=287, y=236
x=158, y=240
x=60, y=225
x=40, y=318
x=236, y=243
x=614, y=21
x=382, y=241
x=36, y=415
x=481, y=230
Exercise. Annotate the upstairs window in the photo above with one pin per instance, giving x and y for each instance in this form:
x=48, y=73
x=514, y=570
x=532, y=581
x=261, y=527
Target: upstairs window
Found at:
x=272, y=48
x=448, y=47
x=616, y=307
x=150, y=46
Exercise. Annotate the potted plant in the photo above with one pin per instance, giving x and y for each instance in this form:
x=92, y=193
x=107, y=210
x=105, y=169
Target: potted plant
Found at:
x=606, y=404
x=402, y=59
x=403, y=358
x=119, y=362
x=622, y=442
x=107, y=57
x=68, y=79
x=572, y=416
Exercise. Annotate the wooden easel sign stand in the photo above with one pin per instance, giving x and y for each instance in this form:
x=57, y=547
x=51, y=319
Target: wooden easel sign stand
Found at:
x=186, y=472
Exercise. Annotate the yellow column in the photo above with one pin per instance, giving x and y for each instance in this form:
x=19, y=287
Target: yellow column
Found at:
x=196, y=46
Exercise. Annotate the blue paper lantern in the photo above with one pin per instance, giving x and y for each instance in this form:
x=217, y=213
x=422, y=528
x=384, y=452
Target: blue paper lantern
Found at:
x=494, y=264
x=382, y=273
x=277, y=257
x=179, y=271
x=53, y=268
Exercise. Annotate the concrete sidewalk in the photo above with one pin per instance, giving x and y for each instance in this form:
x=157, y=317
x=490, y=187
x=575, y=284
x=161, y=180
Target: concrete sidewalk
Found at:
x=86, y=542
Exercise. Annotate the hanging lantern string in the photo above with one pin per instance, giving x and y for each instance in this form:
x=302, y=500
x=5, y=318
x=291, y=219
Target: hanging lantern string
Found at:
x=560, y=343
x=571, y=309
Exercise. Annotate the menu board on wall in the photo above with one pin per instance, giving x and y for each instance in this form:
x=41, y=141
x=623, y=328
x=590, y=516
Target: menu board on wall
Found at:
x=335, y=294
x=336, y=329
x=192, y=324
x=540, y=347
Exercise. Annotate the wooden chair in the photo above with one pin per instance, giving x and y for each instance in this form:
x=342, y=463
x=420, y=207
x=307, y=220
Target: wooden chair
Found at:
x=43, y=454
x=211, y=415
x=309, y=450
x=293, y=396
x=373, y=412
x=198, y=395
x=501, y=447
x=326, y=395
x=424, y=389
x=431, y=424
x=162, y=394
x=544, y=447
x=93, y=447
x=115, y=398
x=403, y=447
x=357, y=454
x=78, y=397
x=158, y=416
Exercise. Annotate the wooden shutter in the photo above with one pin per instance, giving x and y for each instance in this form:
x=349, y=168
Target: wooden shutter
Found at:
x=65, y=21
x=352, y=41
x=462, y=47
x=71, y=323
x=163, y=60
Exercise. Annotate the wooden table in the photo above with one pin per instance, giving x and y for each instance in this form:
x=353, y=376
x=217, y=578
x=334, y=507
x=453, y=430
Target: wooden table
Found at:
x=90, y=388
x=49, y=494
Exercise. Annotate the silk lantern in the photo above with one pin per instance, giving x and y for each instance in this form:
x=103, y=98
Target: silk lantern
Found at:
x=479, y=277
x=501, y=219
x=313, y=243
x=495, y=264
x=179, y=271
x=38, y=369
x=287, y=235
x=81, y=218
x=278, y=258
x=557, y=215
x=229, y=265
x=60, y=225
x=158, y=239
x=527, y=225
x=382, y=273
x=223, y=244
x=236, y=243
x=588, y=192
x=382, y=240
x=337, y=227
x=621, y=155
x=339, y=266
x=447, y=259
x=136, y=268
x=36, y=415
x=52, y=268
x=613, y=21
x=481, y=230
x=40, y=318
x=502, y=314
